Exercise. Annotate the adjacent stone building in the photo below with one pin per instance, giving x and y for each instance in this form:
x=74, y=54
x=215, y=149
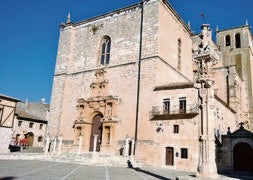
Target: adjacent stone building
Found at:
x=22, y=124
x=30, y=124
x=136, y=82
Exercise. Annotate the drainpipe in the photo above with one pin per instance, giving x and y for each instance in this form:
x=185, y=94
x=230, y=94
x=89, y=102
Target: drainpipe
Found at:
x=200, y=99
x=138, y=80
x=227, y=82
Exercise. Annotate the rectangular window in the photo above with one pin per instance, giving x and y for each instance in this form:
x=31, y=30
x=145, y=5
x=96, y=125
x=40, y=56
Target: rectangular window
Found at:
x=176, y=128
x=41, y=126
x=19, y=123
x=184, y=153
x=1, y=110
x=182, y=105
x=40, y=139
x=30, y=125
x=166, y=106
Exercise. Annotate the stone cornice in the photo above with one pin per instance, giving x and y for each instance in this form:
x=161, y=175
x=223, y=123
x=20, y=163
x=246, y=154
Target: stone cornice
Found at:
x=94, y=69
x=124, y=64
x=118, y=11
x=171, y=86
x=125, y=10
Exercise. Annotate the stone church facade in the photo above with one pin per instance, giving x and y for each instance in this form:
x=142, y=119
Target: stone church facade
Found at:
x=137, y=83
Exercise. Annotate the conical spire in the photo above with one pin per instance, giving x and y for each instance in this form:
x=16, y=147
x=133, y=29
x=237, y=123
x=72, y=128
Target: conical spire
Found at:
x=68, y=18
x=189, y=25
x=217, y=28
x=246, y=23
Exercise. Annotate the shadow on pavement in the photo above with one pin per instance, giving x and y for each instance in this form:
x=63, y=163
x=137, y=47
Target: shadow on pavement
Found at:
x=7, y=178
x=146, y=172
x=151, y=174
x=238, y=174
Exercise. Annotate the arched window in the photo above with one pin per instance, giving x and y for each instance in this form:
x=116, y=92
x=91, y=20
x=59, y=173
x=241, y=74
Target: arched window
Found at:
x=179, y=44
x=227, y=39
x=105, y=50
x=237, y=41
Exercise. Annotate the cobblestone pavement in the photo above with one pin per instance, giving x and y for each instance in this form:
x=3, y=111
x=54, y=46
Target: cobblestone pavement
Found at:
x=46, y=170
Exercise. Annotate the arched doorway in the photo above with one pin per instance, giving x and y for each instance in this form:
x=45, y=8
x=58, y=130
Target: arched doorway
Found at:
x=243, y=157
x=96, y=132
x=28, y=140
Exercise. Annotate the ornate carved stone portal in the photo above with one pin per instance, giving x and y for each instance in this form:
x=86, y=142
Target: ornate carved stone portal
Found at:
x=97, y=117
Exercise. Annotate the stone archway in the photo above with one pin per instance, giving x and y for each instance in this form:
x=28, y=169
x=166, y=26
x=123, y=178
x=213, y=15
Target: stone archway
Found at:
x=96, y=133
x=29, y=138
x=243, y=157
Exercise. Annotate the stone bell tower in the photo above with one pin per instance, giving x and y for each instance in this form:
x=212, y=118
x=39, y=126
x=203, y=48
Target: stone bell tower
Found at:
x=205, y=58
x=236, y=48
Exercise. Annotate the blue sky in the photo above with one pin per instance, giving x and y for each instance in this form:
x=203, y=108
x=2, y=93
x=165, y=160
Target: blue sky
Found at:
x=30, y=30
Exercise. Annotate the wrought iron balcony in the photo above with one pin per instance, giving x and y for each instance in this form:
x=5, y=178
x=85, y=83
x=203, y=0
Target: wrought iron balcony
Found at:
x=175, y=112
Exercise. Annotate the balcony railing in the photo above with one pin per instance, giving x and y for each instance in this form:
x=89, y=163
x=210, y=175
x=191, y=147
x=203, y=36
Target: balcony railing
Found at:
x=175, y=112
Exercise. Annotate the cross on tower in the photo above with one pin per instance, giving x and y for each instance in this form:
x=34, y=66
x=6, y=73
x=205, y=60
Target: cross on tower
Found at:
x=241, y=125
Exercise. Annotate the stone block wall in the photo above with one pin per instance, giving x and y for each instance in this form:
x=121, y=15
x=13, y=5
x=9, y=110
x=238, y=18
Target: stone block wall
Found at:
x=6, y=134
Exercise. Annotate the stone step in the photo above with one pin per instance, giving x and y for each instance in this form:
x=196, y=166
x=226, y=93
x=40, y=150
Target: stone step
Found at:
x=84, y=158
x=32, y=150
x=91, y=158
x=23, y=156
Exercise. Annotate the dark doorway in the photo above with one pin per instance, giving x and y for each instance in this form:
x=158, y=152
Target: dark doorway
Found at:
x=169, y=156
x=243, y=157
x=96, y=129
x=130, y=148
x=29, y=138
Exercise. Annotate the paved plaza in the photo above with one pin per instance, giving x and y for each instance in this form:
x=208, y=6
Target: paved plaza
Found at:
x=40, y=170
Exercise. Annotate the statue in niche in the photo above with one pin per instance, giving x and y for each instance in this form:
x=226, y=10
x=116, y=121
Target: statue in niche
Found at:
x=203, y=68
x=80, y=110
x=99, y=76
x=109, y=109
x=98, y=88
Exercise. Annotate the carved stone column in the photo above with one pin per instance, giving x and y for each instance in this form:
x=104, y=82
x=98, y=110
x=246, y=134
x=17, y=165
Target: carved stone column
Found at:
x=207, y=164
x=59, y=144
x=205, y=57
x=80, y=144
x=47, y=145
x=126, y=147
x=54, y=145
x=95, y=143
